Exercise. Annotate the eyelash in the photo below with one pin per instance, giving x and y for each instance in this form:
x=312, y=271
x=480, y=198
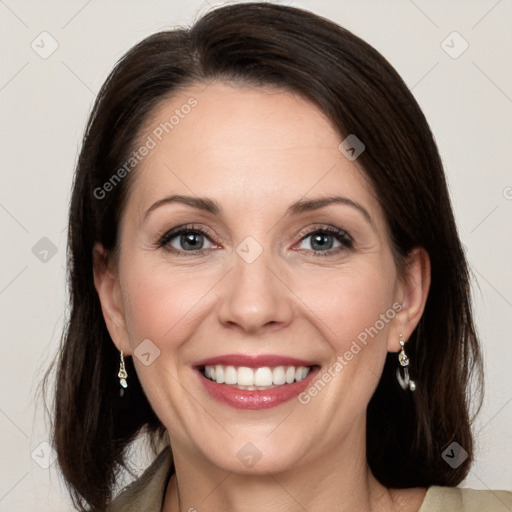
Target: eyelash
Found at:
x=342, y=236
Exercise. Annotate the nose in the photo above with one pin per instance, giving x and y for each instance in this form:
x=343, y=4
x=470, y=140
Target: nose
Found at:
x=254, y=298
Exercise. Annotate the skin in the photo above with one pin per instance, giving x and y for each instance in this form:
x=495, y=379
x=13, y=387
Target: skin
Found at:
x=256, y=151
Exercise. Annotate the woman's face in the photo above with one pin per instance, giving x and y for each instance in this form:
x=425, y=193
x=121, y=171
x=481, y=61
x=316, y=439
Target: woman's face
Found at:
x=254, y=272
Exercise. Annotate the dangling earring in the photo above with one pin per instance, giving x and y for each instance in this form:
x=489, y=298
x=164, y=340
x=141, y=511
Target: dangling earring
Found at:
x=405, y=381
x=122, y=375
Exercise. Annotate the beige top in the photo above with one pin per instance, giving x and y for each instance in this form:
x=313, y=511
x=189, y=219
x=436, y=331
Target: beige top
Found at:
x=147, y=494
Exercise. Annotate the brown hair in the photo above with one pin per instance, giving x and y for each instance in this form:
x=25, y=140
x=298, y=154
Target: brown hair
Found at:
x=360, y=92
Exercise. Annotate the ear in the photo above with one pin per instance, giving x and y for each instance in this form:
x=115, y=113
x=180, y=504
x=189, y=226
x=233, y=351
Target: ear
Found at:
x=106, y=282
x=412, y=293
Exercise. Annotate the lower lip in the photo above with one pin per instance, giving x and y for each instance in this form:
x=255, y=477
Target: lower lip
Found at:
x=256, y=399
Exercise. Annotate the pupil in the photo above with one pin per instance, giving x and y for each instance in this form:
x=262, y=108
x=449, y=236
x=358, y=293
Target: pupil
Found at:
x=320, y=240
x=190, y=241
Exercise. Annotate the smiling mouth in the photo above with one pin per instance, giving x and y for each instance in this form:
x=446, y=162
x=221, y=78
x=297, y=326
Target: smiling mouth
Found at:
x=261, y=378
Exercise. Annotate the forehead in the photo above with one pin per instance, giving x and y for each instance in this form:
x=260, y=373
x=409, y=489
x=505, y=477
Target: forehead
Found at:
x=248, y=147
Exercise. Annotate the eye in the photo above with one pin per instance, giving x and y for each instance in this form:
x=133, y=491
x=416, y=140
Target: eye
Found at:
x=325, y=241
x=193, y=240
x=186, y=239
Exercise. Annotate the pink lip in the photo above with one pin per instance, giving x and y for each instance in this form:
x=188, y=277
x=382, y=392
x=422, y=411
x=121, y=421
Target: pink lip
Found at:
x=254, y=399
x=253, y=361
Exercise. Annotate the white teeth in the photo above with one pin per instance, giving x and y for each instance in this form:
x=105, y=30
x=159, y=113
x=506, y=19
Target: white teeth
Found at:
x=230, y=375
x=218, y=373
x=300, y=373
x=263, y=377
x=278, y=376
x=245, y=376
x=290, y=374
x=255, y=378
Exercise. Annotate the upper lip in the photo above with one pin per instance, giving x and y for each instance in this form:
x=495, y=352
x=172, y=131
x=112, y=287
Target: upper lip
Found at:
x=270, y=360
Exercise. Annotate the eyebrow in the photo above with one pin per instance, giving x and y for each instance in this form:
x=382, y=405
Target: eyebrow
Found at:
x=211, y=206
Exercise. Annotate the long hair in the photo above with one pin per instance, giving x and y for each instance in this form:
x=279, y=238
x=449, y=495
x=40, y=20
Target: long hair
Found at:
x=360, y=92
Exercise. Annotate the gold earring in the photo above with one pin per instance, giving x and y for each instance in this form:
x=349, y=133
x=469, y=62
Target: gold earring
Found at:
x=405, y=381
x=122, y=374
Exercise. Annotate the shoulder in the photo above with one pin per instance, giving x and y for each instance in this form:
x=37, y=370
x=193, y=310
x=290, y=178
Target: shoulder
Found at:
x=148, y=491
x=456, y=499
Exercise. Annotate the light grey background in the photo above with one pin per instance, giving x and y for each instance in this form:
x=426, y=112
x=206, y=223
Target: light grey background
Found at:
x=44, y=106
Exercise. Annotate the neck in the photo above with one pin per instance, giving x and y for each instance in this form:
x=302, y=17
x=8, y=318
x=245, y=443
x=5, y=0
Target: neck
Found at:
x=336, y=479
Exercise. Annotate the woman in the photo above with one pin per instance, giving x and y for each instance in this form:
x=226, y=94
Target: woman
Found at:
x=266, y=281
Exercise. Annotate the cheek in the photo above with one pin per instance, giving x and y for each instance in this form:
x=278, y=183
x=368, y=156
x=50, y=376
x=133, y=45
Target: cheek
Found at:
x=354, y=305
x=353, y=311
x=161, y=303
x=164, y=306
